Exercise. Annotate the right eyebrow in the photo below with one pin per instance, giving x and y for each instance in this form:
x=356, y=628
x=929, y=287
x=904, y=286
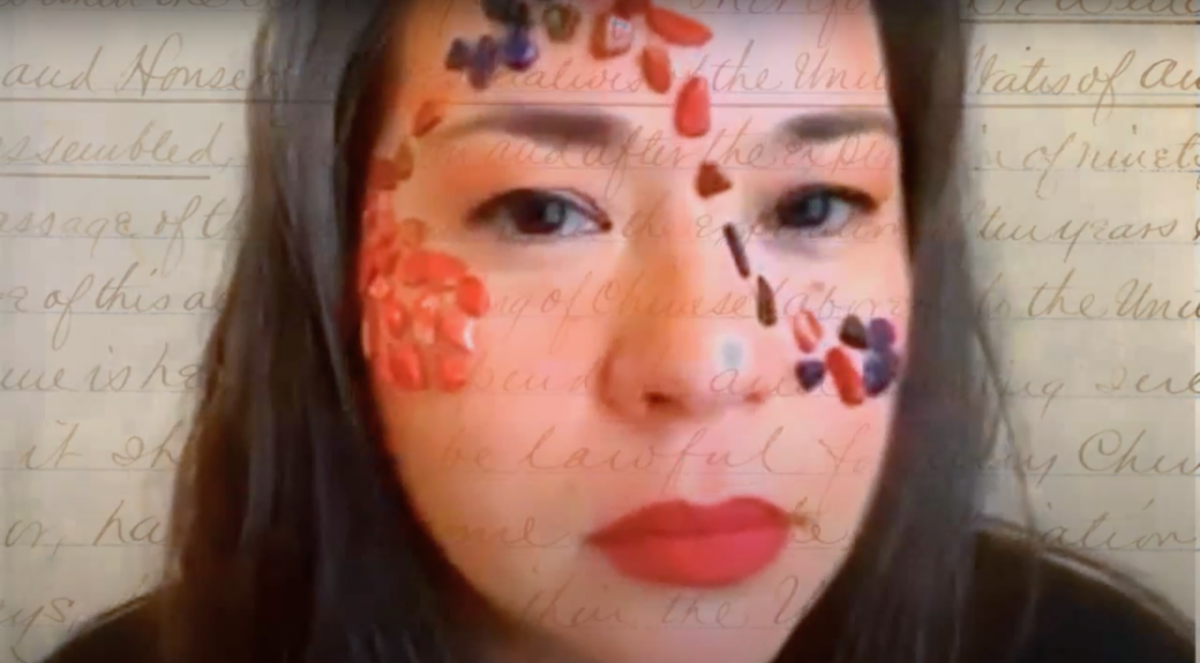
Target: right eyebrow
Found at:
x=830, y=126
x=548, y=126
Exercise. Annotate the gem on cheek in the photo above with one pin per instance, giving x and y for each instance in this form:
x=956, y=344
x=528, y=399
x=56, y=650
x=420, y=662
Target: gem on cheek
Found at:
x=383, y=175
x=853, y=333
x=675, y=28
x=458, y=56
x=457, y=330
x=452, y=372
x=810, y=373
x=424, y=318
x=881, y=334
x=845, y=376
x=765, y=298
x=692, y=108
x=379, y=288
x=710, y=181
x=656, y=68
x=738, y=250
x=394, y=316
x=807, y=330
x=404, y=161
x=427, y=117
x=419, y=322
x=612, y=36
x=472, y=297
x=432, y=267
x=412, y=232
x=404, y=367
x=880, y=369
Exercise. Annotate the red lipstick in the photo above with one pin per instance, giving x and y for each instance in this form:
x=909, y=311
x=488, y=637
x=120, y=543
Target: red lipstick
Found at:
x=689, y=545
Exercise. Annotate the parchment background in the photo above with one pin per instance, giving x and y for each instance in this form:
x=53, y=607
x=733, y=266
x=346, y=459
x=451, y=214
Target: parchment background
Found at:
x=109, y=255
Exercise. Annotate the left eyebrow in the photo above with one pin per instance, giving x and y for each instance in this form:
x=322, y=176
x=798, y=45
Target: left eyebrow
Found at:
x=547, y=126
x=830, y=126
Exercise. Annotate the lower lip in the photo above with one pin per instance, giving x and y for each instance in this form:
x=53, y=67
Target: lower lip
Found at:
x=703, y=561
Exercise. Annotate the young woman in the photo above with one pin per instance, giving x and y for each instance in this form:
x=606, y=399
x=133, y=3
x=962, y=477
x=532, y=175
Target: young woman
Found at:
x=592, y=332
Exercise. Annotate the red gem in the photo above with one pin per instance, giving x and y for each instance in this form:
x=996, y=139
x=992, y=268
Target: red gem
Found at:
x=677, y=29
x=383, y=175
x=692, y=108
x=404, y=162
x=412, y=231
x=656, y=68
x=424, y=317
x=379, y=288
x=394, y=316
x=427, y=117
x=404, y=366
x=452, y=371
x=845, y=376
x=444, y=269
x=457, y=330
x=612, y=36
x=472, y=297
x=710, y=181
x=807, y=330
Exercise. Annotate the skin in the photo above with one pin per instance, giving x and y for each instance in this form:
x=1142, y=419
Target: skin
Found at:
x=568, y=391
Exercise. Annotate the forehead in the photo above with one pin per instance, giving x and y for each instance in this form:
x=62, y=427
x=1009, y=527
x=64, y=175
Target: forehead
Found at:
x=762, y=55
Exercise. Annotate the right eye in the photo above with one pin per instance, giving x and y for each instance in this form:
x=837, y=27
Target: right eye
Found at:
x=537, y=213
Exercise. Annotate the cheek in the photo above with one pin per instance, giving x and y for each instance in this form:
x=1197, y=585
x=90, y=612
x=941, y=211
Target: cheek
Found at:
x=420, y=306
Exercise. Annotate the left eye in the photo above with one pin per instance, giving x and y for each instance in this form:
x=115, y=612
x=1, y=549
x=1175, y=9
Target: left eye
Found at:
x=534, y=213
x=821, y=208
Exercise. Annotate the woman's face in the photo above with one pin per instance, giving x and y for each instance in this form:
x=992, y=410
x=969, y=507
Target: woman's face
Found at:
x=633, y=447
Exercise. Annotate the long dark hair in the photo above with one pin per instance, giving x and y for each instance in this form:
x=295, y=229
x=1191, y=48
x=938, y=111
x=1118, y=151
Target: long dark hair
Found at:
x=291, y=539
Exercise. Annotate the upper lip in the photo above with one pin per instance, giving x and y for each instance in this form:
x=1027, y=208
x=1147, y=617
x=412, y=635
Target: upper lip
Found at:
x=680, y=518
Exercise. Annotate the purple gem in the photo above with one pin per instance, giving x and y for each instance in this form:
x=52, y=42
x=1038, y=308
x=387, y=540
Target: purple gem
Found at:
x=459, y=55
x=520, y=52
x=879, y=371
x=880, y=334
x=484, y=62
x=810, y=373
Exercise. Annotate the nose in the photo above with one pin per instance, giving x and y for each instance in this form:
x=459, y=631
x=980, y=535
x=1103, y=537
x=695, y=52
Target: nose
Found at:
x=687, y=344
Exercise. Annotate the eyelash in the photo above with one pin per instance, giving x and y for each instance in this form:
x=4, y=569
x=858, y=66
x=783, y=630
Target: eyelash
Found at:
x=858, y=202
x=489, y=213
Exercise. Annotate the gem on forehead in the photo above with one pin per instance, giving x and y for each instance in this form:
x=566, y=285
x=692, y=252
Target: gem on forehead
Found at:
x=675, y=28
x=519, y=51
x=692, y=108
x=656, y=68
x=458, y=56
x=612, y=36
x=510, y=12
x=561, y=22
x=484, y=62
